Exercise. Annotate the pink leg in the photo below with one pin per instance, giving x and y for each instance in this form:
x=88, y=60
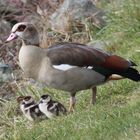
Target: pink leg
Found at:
x=72, y=102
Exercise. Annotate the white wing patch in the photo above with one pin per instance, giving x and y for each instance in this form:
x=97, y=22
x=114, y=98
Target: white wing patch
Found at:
x=64, y=67
x=89, y=67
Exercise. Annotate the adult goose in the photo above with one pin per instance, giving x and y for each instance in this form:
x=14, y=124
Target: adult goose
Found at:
x=68, y=66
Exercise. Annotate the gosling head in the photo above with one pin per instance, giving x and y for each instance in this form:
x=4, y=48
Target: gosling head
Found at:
x=45, y=98
x=28, y=100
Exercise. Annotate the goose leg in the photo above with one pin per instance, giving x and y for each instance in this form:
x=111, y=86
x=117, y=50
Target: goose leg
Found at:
x=93, y=97
x=72, y=102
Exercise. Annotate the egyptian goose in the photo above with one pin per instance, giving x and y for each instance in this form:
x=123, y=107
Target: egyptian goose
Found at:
x=30, y=108
x=68, y=66
x=50, y=107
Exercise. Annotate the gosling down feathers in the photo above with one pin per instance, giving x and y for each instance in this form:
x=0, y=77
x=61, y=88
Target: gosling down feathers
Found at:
x=70, y=67
x=30, y=108
x=50, y=107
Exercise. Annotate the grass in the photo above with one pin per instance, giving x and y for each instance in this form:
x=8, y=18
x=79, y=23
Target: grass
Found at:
x=116, y=115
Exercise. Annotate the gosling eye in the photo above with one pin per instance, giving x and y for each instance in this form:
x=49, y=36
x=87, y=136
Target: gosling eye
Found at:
x=44, y=96
x=27, y=98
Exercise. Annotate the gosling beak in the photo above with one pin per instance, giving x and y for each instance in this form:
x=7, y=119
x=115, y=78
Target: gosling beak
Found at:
x=40, y=102
x=11, y=37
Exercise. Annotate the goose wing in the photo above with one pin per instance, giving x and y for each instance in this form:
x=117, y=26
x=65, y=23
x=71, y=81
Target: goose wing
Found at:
x=83, y=56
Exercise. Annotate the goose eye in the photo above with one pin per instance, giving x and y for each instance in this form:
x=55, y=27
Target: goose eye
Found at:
x=21, y=28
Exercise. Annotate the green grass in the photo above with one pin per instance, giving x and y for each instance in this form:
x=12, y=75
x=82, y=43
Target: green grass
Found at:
x=116, y=115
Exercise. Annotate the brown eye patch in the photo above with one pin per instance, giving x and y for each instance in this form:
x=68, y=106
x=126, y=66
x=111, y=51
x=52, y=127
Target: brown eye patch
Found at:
x=27, y=98
x=20, y=98
x=21, y=28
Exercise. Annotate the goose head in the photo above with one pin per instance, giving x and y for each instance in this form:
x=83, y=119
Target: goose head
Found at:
x=26, y=32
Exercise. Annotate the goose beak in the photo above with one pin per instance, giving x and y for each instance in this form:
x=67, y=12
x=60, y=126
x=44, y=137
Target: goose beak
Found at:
x=11, y=37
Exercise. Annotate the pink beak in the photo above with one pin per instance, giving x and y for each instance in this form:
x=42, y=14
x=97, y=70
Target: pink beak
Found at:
x=11, y=37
